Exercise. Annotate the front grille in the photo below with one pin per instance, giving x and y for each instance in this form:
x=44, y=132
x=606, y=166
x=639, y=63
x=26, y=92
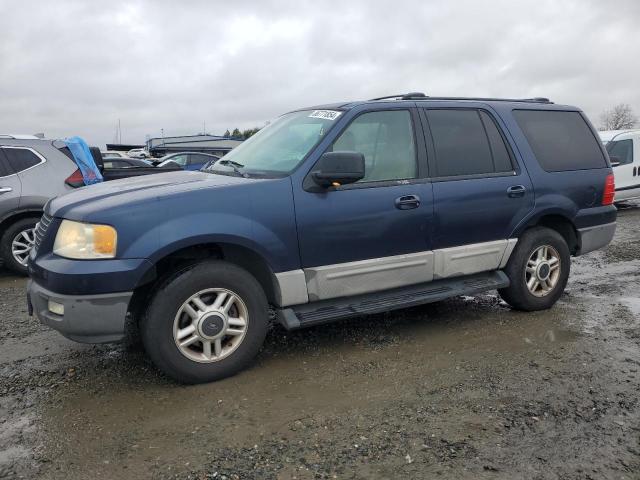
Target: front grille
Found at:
x=41, y=230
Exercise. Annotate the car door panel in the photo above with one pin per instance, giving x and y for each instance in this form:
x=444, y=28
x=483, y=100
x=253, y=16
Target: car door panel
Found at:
x=474, y=214
x=366, y=237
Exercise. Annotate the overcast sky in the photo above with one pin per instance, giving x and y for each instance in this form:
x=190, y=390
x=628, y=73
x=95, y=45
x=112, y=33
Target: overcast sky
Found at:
x=75, y=67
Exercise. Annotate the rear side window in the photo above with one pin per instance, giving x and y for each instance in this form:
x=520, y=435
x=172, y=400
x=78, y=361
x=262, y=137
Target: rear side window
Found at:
x=20, y=158
x=560, y=140
x=4, y=167
x=467, y=142
x=622, y=150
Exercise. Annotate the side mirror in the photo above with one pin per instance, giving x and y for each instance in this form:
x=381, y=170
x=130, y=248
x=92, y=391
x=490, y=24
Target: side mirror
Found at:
x=338, y=168
x=615, y=161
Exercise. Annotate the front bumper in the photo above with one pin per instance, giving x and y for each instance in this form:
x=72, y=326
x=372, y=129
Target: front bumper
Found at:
x=87, y=318
x=593, y=238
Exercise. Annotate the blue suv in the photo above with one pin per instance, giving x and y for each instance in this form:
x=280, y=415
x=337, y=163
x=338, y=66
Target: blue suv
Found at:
x=329, y=212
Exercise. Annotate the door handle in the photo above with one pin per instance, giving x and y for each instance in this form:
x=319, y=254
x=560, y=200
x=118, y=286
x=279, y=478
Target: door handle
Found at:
x=516, y=191
x=6, y=189
x=407, y=202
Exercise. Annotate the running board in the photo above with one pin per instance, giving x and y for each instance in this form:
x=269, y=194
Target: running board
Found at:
x=325, y=311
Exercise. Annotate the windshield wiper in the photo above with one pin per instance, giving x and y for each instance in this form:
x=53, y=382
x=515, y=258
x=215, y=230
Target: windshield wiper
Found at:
x=235, y=167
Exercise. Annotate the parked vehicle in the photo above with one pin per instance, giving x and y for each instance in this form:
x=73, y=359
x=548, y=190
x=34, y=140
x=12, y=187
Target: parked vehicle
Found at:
x=210, y=163
x=188, y=160
x=113, y=154
x=138, y=153
x=329, y=212
x=624, y=150
x=117, y=162
x=32, y=171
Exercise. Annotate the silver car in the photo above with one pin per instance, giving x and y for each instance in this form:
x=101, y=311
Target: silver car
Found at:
x=32, y=170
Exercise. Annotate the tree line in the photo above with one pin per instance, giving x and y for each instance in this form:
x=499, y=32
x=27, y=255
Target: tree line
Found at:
x=244, y=134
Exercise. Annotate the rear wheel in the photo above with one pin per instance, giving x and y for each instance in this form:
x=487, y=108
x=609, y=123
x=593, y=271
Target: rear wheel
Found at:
x=538, y=270
x=206, y=322
x=16, y=244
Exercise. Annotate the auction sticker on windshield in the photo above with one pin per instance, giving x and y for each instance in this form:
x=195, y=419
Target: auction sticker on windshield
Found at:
x=326, y=114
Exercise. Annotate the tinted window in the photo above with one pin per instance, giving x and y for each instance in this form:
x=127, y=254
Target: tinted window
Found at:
x=4, y=168
x=386, y=141
x=622, y=149
x=560, y=140
x=501, y=157
x=21, y=159
x=460, y=142
x=195, y=159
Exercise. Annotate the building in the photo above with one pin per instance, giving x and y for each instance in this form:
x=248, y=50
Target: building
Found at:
x=213, y=144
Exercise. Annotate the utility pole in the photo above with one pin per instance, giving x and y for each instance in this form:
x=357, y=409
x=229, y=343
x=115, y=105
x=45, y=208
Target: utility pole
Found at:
x=119, y=133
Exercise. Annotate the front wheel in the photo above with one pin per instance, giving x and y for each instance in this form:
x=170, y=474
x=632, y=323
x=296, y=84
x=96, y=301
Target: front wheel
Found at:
x=206, y=322
x=538, y=270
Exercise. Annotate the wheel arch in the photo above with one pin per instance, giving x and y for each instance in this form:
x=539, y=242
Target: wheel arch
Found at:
x=182, y=257
x=17, y=215
x=561, y=224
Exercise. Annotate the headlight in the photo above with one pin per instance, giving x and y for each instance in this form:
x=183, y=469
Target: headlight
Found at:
x=85, y=241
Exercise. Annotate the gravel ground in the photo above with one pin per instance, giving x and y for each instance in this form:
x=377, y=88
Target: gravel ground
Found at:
x=464, y=388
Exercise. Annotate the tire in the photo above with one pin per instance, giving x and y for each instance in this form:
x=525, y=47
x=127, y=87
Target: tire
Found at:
x=15, y=231
x=173, y=311
x=545, y=293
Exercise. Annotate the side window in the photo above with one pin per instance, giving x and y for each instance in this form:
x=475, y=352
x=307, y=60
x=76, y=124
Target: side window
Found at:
x=461, y=144
x=622, y=149
x=501, y=158
x=560, y=140
x=20, y=159
x=386, y=140
x=4, y=167
x=196, y=159
x=180, y=160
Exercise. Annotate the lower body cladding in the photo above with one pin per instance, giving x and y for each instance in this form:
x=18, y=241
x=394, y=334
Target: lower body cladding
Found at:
x=377, y=274
x=82, y=318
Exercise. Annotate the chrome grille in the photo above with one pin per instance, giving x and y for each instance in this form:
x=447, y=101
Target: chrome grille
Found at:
x=41, y=229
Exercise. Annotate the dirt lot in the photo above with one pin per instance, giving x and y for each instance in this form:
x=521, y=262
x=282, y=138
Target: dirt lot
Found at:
x=464, y=388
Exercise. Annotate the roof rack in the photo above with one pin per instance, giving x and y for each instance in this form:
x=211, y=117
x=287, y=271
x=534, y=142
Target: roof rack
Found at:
x=19, y=137
x=422, y=96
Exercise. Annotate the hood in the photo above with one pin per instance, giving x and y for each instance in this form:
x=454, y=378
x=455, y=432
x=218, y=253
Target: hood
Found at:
x=79, y=203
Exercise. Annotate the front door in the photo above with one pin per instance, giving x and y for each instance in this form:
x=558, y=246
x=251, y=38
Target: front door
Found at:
x=480, y=191
x=374, y=234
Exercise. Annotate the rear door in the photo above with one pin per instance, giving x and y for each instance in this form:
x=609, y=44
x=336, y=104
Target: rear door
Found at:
x=480, y=190
x=10, y=188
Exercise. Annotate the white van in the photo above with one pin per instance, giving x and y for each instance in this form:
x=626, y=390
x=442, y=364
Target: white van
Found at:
x=624, y=150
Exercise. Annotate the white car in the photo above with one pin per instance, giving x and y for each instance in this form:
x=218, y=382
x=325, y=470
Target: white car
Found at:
x=113, y=154
x=624, y=150
x=138, y=153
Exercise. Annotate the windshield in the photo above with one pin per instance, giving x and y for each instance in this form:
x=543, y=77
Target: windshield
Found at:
x=280, y=146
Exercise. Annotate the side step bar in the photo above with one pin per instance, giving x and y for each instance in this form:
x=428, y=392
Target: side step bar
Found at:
x=325, y=311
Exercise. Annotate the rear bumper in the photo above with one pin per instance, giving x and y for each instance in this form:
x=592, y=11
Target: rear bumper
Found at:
x=593, y=238
x=87, y=318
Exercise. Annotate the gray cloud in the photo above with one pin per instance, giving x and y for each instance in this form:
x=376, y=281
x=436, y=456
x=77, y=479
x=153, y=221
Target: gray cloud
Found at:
x=75, y=67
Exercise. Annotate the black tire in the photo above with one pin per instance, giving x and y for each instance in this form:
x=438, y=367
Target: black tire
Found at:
x=156, y=326
x=7, y=239
x=518, y=294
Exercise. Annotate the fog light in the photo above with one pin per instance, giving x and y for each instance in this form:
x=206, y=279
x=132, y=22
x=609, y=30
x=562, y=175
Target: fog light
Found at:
x=55, y=307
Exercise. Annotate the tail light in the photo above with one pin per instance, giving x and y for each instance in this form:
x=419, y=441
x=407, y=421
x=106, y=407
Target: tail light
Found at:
x=609, y=190
x=75, y=180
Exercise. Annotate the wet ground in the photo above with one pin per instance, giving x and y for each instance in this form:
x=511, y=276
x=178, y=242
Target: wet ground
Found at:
x=465, y=388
